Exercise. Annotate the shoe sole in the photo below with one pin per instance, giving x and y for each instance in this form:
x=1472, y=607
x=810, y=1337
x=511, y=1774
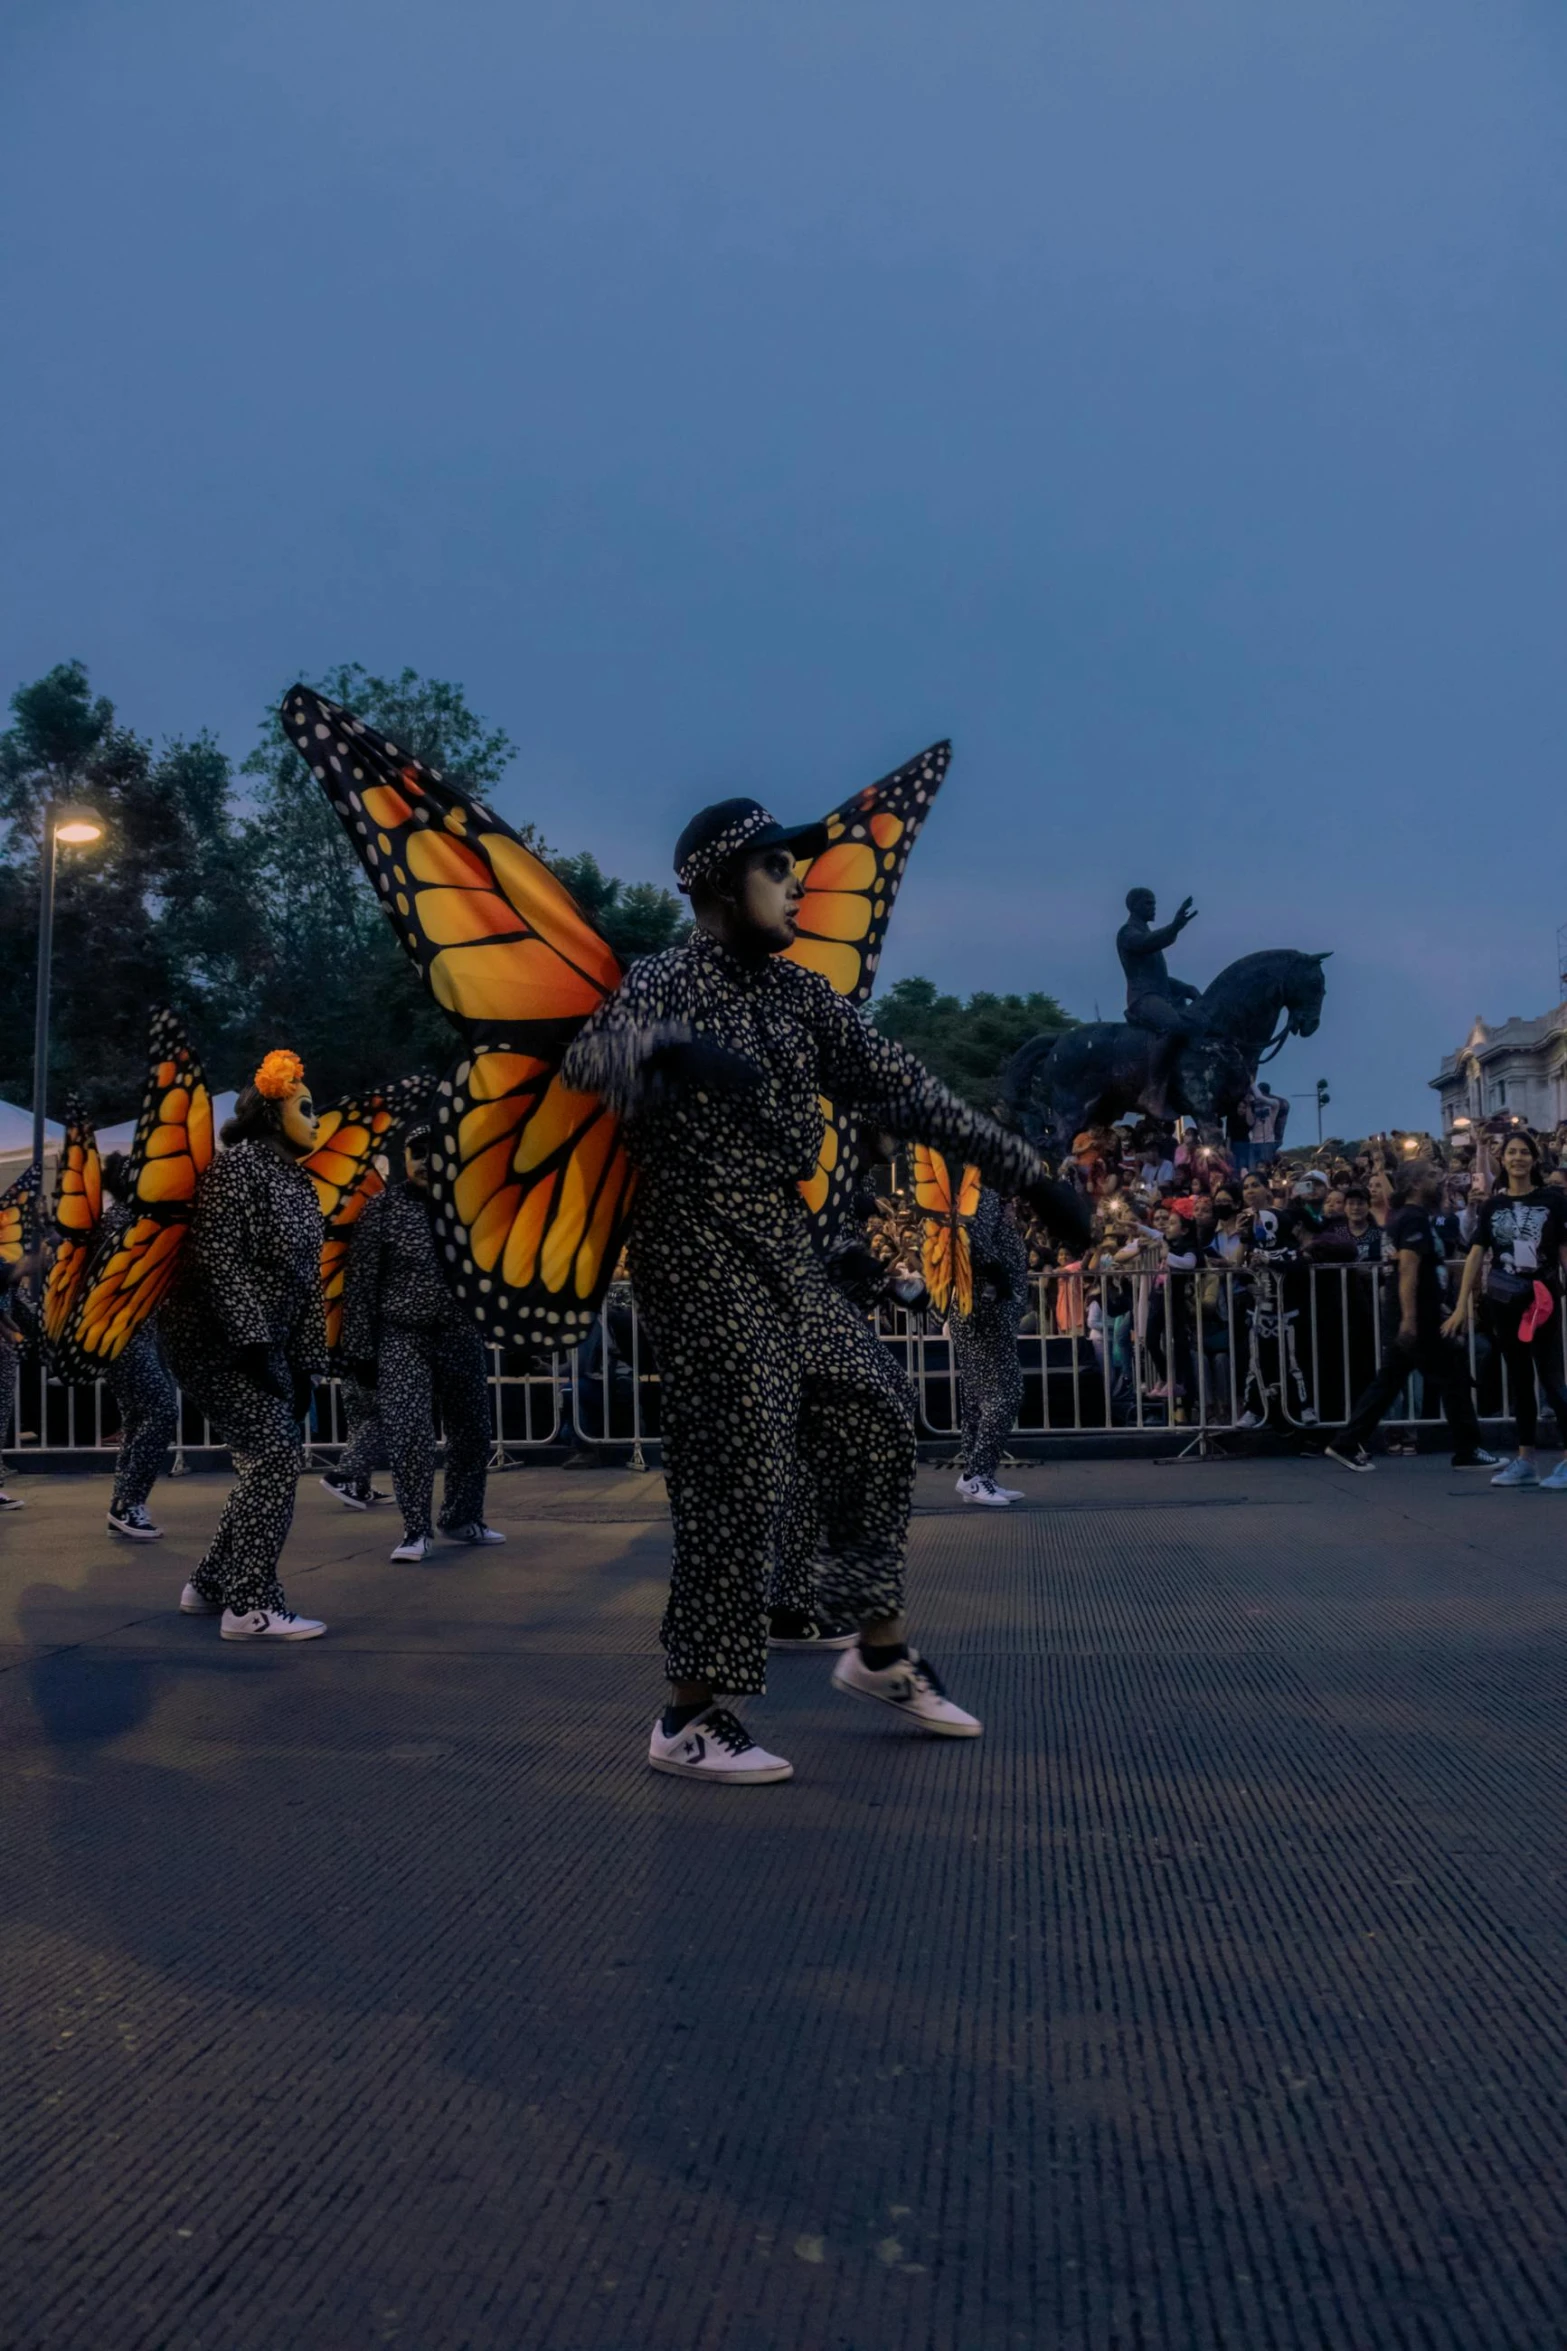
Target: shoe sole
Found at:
x=831, y=1641
x=136, y=1534
x=217, y=1611
x=349, y=1501
x=1472, y=1466
x=916, y=1722
x=276, y=1640
x=409, y=1558
x=723, y=1779
x=1359, y=1469
x=987, y=1501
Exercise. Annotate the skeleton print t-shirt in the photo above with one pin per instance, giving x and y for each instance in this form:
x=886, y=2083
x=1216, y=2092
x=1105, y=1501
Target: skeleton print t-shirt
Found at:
x=1524, y=1235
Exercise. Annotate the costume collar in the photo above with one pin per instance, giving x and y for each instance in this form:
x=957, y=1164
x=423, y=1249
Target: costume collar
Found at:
x=742, y=971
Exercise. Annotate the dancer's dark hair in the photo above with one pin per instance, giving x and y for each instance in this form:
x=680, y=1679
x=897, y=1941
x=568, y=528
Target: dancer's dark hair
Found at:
x=256, y=1116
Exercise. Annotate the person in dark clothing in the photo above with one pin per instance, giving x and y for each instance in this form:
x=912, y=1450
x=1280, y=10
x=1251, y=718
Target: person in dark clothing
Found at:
x=1520, y=1247
x=405, y=1335
x=246, y=1336
x=139, y=1381
x=984, y=1350
x=717, y=1055
x=1417, y=1343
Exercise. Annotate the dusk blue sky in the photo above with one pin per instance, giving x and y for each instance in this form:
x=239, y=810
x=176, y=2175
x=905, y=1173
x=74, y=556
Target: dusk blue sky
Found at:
x=1166, y=401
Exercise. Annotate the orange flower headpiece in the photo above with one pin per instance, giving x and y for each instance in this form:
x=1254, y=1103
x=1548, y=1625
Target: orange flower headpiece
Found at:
x=279, y=1074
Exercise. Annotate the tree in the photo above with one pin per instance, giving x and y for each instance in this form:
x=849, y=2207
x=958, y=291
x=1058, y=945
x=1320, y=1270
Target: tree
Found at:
x=637, y=918
x=157, y=909
x=967, y=1045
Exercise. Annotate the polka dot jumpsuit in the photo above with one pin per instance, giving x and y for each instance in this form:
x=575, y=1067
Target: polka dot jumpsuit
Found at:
x=762, y=1361
x=984, y=1343
x=399, y=1313
x=251, y=1278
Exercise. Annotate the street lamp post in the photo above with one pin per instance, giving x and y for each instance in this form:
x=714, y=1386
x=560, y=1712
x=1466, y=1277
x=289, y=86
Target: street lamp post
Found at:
x=75, y=831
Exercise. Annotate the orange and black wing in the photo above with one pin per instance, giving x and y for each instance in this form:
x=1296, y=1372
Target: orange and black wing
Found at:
x=945, y=1257
x=131, y=1270
x=17, y=1203
x=851, y=884
x=349, y=1136
x=849, y=889
x=494, y=935
x=531, y=1182
x=78, y=1209
x=533, y=1192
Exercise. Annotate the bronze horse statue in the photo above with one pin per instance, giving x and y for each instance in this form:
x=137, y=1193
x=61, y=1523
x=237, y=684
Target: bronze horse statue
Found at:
x=1068, y=1079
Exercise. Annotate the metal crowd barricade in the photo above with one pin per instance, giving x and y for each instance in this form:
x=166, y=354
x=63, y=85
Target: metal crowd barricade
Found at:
x=1195, y=1352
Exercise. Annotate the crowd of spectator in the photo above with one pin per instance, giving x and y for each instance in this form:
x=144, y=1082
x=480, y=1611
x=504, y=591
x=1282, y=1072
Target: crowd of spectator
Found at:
x=1236, y=1292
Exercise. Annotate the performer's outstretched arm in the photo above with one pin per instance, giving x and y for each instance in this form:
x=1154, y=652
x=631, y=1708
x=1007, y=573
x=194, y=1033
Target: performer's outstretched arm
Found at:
x=614, y=1052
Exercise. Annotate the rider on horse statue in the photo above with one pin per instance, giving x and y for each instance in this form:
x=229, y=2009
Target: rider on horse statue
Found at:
x=1154, y=1000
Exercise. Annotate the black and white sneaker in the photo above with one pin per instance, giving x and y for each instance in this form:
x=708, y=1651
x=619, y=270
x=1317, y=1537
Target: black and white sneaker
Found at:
x=792, y=1628
x=476, y=1534
x=913, y=1686
x=1477, y=1460
x=716, y=1746
x=133, y=1523
x=12, y=1502
x=344, y=1490
x=1353, y=1457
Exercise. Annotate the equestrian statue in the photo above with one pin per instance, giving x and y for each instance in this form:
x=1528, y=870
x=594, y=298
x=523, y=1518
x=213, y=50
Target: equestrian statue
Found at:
x=1179, y=1052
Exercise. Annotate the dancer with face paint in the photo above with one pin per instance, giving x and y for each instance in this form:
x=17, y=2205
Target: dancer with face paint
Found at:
x=717, y=1054
x=143, y=1390
x=246, y=1334
x=405, y=1335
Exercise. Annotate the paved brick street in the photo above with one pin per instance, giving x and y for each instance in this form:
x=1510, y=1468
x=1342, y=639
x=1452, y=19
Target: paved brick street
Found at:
x=374, y=1993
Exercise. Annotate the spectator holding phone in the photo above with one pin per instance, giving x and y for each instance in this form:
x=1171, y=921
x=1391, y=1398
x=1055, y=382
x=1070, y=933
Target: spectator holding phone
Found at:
x=1518, y=1250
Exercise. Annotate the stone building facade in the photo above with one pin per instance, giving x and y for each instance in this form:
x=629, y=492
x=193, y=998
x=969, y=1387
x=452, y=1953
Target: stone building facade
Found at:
x=1519, y=1067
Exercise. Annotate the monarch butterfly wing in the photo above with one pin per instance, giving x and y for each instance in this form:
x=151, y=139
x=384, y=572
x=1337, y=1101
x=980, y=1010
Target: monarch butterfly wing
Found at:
x=16, y=1213
x=532, y=1191
x=829, y=1193
x=969, y=1186
x=495, y=937
x=78, y=1210
x=851, y=884
x=531, y=1182
x=131, y=1270
x=343, y=1169
x=932, y=1182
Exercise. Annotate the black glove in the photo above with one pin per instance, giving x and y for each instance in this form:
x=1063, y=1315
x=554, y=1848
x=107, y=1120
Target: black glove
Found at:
x=699, y=1064
x=363, y=1374
x=257, y=1364
x=858, y=1272
x=1061, y=1210
x=303, y=1389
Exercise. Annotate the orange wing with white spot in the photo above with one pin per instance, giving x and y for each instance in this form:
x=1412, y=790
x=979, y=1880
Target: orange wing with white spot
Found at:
x=131, y=1270
x=349, y=1136
x=849, y=889
x=16, y=1214
x=78, y=1209
x=531, y=1182
x=945, y=1259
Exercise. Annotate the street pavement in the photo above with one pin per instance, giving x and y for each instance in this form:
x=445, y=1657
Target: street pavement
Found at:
x=374, y=1992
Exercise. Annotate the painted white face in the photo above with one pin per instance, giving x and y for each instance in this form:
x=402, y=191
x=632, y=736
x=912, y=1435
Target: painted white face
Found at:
x=769, y=897
x=299, y=1122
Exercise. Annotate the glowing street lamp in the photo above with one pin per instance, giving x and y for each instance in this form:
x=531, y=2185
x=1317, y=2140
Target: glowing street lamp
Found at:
x=76, y=830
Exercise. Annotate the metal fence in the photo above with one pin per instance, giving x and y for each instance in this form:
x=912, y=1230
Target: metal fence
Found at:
x=1198, y=1353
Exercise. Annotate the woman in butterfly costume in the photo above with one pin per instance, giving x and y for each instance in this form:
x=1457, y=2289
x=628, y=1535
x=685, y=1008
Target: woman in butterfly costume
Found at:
x=142, y=1388
x=717, y=1054
x=405, y=1335
x=246, y=1334
x=984, y=1348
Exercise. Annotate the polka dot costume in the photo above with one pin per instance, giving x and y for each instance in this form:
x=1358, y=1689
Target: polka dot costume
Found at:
x=149, y=1417
x=984, y=1343
x=250, y=1277
x=763, y=1363
x=399, y=1313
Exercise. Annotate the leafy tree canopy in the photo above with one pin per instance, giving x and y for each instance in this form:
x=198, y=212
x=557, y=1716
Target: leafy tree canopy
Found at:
x=637, y=918
x=967, y=1045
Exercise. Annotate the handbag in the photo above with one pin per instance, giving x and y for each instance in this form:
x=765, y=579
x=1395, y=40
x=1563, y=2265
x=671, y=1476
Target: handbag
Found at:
x=1508, y=1290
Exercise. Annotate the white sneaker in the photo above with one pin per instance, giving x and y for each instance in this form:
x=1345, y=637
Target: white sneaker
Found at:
x=913, y=1687
x=270, y=1624
x=963, y=1486
x=715, y=1746
x=988, y=1494
x=477, y=1533
x=1010, y=1493
x=1556, y=1483
x=134, y=1524
x=413, y=1551
x=1517, y=1473
x=12, y=1502
x=192, y=1603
